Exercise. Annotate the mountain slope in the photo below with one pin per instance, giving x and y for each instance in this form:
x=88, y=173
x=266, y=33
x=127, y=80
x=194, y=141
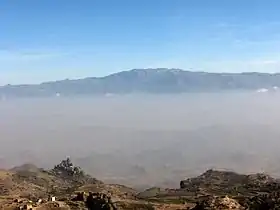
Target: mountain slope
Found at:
x=76, y=190
x=147, y=81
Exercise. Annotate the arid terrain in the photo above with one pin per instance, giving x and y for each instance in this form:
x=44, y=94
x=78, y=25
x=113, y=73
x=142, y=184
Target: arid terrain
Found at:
x=68, y=187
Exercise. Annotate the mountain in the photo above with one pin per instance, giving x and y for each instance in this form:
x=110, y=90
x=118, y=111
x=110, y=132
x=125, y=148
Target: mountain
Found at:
x=147, y=81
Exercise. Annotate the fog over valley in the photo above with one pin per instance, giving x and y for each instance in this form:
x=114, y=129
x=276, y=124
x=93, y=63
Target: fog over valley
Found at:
x=145, y=140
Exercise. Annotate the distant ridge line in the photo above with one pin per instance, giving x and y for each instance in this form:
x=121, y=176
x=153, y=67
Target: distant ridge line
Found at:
x=155, y=81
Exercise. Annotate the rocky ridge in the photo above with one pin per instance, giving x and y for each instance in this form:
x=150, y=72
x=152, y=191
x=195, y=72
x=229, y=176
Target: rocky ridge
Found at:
x=74, y=189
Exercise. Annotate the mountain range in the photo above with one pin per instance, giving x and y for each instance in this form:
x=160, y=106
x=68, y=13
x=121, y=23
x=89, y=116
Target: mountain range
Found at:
x=147, y=81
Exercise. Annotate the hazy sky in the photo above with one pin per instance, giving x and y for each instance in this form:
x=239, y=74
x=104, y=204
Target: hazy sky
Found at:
x=50, y=39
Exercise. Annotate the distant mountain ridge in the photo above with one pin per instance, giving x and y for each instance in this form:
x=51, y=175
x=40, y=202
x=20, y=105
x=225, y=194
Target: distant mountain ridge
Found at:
x=160, y=80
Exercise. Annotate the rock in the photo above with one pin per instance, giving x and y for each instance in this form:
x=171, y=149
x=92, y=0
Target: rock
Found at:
x=99, y=201
x=40, y=201
x=227, y=203
x=79, y=197
x=218, y=203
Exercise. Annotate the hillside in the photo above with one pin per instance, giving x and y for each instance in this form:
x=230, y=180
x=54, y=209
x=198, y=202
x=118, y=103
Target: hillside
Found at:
x=73, y=189
x=146, y=81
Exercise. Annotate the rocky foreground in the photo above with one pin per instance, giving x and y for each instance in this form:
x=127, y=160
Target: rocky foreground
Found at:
x=68, y=187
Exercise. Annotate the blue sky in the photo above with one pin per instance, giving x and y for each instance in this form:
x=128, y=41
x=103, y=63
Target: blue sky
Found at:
x=55, y=39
